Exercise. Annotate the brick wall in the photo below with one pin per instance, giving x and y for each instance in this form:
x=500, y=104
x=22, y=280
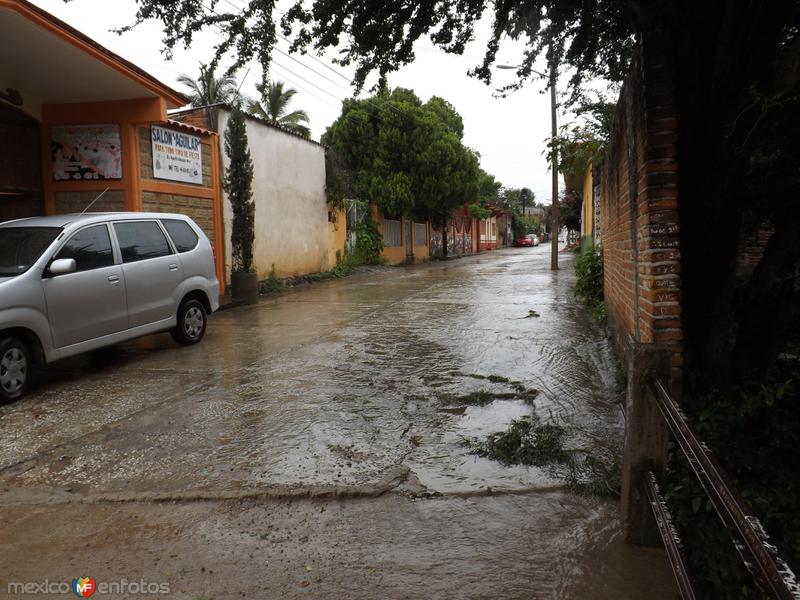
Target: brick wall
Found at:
x=199, y=117
x=201, y=210
x=639, y=208
x=76, y=202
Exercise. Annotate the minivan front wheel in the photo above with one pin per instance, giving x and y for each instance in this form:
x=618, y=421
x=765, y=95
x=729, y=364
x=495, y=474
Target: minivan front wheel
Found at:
x=15, y=367
x=191, y=323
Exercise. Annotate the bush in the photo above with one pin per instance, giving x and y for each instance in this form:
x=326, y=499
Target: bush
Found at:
x=369, y=243
x=589, y=268
x=271, y=285
x=755, y=433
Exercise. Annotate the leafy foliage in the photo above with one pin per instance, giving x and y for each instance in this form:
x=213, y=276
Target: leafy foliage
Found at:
x=515, y=200
x=582, y=143
x=526, y=225
x=570, y=210
x=403, y=154
x=238, y=184
x=755, y=433
x=527, y=443
x=596, y=38
x=272, y=284
x=369, y=243
x=274, y=108
x=589, y=276
x=209, y=89
x=530, y=442
x=488, y=188
x=479, y=212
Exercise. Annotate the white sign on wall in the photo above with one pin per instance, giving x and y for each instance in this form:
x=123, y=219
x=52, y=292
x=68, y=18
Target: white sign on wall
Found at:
x=176, y=156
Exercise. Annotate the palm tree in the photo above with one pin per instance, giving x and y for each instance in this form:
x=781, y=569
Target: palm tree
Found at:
x=275, y=99
x=209, y=89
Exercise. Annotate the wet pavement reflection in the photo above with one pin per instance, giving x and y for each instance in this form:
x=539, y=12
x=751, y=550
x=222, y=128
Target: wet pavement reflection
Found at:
x=332, y=411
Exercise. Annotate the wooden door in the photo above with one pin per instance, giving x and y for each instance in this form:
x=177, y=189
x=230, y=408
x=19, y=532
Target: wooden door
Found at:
x=20, y=166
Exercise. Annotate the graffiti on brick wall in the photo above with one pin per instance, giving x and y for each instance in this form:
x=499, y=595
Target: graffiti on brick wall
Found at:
x=436, y=242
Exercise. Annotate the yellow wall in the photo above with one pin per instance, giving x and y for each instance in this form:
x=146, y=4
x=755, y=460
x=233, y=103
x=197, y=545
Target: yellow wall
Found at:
x=396, y=255
x=422, y=250
x=337, y=236
x=587, y=210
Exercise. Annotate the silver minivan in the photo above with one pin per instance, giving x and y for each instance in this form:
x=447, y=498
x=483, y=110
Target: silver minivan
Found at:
x=74, y=283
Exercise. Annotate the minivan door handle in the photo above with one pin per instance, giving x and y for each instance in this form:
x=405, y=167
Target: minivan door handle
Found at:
x=173, y=267
x=113, y=278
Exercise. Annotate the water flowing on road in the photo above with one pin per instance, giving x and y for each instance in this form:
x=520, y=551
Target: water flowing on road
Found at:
x=318, y=445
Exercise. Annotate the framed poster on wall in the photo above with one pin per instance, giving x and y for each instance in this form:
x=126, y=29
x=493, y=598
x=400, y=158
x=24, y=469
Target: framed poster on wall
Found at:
x=177, y=156
x=86, y=152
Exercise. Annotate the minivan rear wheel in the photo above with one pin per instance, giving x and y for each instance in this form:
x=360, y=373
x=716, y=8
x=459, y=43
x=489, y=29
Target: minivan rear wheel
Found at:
x=191, y=323
x=15, y=365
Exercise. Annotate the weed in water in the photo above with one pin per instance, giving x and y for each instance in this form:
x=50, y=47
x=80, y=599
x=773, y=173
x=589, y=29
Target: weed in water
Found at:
x=528, y=395
x=481, y=397
x=597, y=475
x=526, y=443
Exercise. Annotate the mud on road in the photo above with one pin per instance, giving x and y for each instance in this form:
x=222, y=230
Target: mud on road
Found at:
x=313, y=446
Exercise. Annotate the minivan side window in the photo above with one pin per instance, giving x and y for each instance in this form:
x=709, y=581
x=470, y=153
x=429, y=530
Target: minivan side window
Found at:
x=90, y=247
x=183, y=236
x=140, y=240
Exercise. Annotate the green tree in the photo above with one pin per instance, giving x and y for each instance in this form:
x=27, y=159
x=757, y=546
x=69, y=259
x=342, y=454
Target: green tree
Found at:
x=238, y=184
x=488, y=188
x=403, y=154
x=209, y=89
x=274, y=107
x=570, y=210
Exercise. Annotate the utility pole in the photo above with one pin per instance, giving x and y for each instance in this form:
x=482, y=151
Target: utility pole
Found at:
x=554, y=211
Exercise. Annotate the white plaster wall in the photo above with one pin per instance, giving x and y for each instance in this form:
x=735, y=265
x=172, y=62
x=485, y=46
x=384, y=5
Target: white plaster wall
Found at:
x=291, y=209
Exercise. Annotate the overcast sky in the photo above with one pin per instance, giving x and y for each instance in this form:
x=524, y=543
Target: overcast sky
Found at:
x=509, y=133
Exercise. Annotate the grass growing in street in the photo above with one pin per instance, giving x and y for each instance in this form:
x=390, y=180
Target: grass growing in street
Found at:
x=528, y=442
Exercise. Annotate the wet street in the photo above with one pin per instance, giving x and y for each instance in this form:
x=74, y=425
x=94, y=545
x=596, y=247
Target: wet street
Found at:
x=318, y=446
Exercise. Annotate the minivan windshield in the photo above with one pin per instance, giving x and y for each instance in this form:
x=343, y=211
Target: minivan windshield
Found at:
x=20, y=247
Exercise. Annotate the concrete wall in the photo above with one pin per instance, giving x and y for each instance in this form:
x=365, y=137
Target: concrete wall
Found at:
x=291, y=223
x=639, y=208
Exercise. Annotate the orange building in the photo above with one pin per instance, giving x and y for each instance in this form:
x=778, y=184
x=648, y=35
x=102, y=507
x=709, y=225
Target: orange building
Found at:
x=76, y=121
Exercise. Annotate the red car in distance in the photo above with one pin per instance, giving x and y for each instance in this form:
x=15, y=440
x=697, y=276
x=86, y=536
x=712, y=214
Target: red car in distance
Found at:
x=527, y=240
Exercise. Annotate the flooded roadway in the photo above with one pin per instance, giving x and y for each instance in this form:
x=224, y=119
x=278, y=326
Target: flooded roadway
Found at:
x=313, y=446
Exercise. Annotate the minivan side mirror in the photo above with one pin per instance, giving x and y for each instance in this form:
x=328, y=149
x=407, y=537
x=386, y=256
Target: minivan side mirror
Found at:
x=63, y=265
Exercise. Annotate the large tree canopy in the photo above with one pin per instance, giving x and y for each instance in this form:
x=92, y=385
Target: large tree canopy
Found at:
x=405, y=155
x=596, y=36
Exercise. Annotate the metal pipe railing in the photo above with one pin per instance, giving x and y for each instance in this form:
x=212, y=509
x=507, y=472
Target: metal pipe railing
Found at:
x=771, y=573
x=672, y=543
